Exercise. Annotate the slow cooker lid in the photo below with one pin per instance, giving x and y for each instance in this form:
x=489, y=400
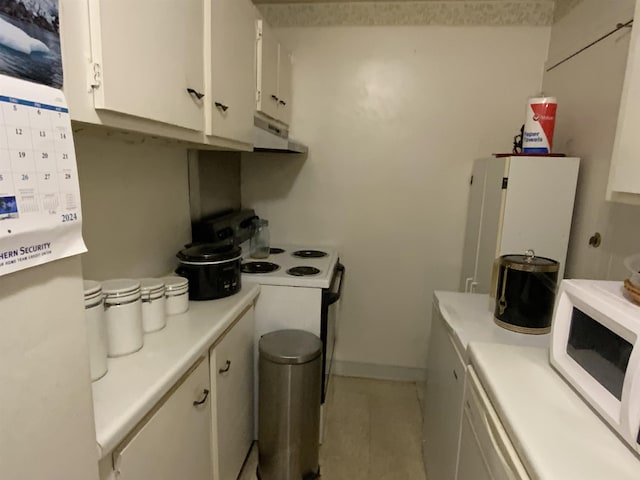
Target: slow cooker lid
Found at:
x=529, y=262
x=209, y=252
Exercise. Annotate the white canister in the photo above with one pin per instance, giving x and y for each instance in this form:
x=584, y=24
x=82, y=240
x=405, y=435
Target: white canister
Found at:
x=177, y=292
x=154, y=317
x=123, y=314
x=96, y=330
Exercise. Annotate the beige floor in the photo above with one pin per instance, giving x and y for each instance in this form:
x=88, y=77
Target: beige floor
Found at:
x=373, y=432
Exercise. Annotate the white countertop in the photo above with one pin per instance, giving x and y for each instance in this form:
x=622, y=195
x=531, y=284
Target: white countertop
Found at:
x=135, y=383
x=470, y=319
x=555, y=433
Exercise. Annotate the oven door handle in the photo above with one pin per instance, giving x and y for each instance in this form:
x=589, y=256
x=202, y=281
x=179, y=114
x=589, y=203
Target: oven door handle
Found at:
x=333, y=297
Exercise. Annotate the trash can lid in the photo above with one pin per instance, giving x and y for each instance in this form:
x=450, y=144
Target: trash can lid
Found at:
x=291, y=347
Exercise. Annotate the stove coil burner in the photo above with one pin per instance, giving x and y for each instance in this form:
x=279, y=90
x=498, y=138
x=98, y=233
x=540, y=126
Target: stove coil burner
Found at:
x=275, y=251
x=303, y=271
x=310, y=254
x=259, y=267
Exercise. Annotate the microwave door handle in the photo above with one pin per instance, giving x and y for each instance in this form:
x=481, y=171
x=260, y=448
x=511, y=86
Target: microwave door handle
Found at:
x=335, y=296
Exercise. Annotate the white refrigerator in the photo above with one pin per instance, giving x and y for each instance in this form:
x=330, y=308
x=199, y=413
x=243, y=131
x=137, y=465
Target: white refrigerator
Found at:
x=517, y=203
x=46, y=412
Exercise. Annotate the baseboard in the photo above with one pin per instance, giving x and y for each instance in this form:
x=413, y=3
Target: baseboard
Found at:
x=379, y=372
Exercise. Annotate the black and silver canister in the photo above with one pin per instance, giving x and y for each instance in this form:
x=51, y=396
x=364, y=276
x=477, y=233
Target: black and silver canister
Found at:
x=526, y=292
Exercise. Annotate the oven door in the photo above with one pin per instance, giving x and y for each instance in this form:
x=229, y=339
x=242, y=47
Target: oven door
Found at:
x=329, y=319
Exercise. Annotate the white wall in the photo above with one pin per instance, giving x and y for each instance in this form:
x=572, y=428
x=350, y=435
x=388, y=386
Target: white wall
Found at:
x=46, y=411
x=393, y=117
x=135, y=206
x=588, y=88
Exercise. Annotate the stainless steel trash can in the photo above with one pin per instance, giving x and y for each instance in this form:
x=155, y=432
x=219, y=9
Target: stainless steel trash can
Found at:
x=289, y=389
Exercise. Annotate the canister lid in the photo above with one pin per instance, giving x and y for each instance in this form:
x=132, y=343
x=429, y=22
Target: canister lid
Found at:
x=120, y=287
x=91, y=288
x=174, y=283
x=292, y=347
x=92, y=293
x=207, y=253
x=529, y=262
x=151, y=286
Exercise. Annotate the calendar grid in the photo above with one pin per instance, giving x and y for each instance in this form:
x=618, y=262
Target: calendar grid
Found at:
x=40, y=213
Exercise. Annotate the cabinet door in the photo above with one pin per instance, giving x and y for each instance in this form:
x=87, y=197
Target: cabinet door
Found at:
x=267, y=74
x=230, y=72
x=471, y=464
x=232, y=382
x=175, y=440
x=491, y=222
x=284, y=85
x=624, y=175
x=443, y=402
x=149, y=53
x=472, y=231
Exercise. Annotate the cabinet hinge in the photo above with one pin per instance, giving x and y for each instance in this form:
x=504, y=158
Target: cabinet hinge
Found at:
x=258, y=96
x=95, y=75
x=505, y=181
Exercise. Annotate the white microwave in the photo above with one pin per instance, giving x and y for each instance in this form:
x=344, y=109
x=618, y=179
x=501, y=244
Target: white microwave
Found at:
x=595, y=346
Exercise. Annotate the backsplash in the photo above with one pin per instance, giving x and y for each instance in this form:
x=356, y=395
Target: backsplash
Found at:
x=532, y=13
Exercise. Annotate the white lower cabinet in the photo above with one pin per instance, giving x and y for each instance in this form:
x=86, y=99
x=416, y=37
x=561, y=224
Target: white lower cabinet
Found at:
x=486, y=452
x=471, y=464
x=443, y=402
x=174, y=440
x=231, y=365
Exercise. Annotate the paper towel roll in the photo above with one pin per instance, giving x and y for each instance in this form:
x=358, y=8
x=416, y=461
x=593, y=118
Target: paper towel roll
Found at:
x=539, y=124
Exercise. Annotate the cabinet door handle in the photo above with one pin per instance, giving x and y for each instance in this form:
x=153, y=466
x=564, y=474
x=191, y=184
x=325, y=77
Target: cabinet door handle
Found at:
x=283, y=103
x=205, y=392
x=226, y=367
x=221, y=106
x=195, y=93
x=274, y=98
x=455, y=375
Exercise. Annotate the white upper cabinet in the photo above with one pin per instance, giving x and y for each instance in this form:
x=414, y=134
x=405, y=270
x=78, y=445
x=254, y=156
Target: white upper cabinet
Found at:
x=230, y=42
x=284, y=85
x=624, y=176
x=267, y=70
x=274, y=71
x=148, y=59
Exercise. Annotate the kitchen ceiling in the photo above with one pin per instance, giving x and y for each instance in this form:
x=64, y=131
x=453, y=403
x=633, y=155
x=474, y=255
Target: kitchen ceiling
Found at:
x=352, y=1
x=289, y=13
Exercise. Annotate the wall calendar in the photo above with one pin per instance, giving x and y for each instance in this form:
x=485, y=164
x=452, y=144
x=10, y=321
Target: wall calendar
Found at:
x=40, y=214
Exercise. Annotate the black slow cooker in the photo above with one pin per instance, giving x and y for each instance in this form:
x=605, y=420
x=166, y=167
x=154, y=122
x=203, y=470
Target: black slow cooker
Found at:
x=213, y=270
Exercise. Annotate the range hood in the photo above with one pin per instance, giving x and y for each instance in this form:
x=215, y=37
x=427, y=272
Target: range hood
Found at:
x=269, y=137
